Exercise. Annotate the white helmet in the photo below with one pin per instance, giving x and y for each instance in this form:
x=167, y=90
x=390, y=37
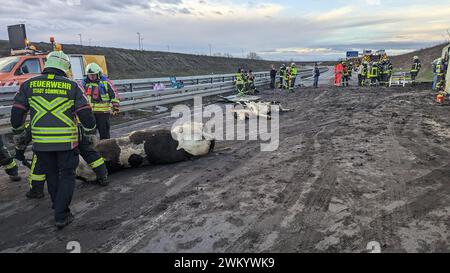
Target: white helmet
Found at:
x=416, y=57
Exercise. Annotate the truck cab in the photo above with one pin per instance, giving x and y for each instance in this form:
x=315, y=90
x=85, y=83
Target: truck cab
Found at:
x=15, y=70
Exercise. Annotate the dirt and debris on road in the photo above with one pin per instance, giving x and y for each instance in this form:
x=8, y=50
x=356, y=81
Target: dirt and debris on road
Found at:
x=354, y=166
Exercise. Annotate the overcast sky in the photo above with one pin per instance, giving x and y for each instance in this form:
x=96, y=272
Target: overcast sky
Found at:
x=276, y=30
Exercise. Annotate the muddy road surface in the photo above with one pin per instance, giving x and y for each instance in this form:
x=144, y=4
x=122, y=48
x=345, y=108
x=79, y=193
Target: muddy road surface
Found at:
x=354, y=166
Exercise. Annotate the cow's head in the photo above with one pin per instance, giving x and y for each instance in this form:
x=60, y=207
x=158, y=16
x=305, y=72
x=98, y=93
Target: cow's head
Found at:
x=193, y=138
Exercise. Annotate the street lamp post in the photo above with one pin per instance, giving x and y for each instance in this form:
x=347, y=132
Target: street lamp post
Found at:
x=81, y=39
x=139, y=38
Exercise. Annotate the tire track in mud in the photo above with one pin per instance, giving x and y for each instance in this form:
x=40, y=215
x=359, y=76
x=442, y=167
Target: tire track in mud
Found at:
x=301, y=197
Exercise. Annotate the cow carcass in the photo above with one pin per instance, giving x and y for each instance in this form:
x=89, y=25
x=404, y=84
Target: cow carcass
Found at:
x=245, y=110
x=151, y=147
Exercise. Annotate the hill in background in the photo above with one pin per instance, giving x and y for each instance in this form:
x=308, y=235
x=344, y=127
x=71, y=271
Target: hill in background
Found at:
x=135, y=64
x=426, y=56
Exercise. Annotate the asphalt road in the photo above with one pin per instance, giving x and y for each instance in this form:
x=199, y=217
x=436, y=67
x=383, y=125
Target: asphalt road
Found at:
x=354, y=165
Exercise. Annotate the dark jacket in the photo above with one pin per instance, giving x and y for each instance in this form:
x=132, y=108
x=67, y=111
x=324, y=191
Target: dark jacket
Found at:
x=273, y=73
x=316, y=72
x=54, y=102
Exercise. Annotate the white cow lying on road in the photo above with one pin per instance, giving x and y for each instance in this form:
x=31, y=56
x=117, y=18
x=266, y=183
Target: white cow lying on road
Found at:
x=246, y=110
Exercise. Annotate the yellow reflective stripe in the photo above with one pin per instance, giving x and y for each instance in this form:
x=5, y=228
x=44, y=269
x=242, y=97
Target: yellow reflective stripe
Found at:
x=64, y=105
x=10, y=165
x=33, y=166
x=51, y=76
x=101, y=107
x=49, y=105
x=53, y=130
x=105, y=84
x=55, y=139
x=40, y=112
x=97, y=163
x=59, y=113
x=37, y=177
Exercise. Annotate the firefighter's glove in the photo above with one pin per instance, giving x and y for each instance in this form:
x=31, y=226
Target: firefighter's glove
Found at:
x=20, y=138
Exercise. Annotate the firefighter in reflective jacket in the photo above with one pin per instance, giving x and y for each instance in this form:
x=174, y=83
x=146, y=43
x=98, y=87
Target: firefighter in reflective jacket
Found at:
x=282, y=75
x=386, y=71
x=239, y=82
x=364, y=72
x=103, y=98
x=288, y=80
x=54, y=101
x=374, y=73
x=294, y=74
x=415, y=68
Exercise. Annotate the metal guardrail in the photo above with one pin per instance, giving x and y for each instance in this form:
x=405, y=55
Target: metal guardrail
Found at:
x=400, y=79
x=139, y=93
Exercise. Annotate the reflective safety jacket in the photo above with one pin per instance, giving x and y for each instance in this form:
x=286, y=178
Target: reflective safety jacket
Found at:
x=239, y=78
x=53, y=102
x=416, y=66
x=294, y=71
x=102, y=95
x=374, y=71
x=439, y=70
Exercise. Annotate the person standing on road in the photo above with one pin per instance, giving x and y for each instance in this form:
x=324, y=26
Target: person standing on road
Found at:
x=316, y=75
x=345, y=74
x=338, y=74
x=360, y=74
x=273, y=77
x=282, y=76
x=239, y=82
x=294, y=74
x=54, y=102
x=103, y=98
x=415, y=68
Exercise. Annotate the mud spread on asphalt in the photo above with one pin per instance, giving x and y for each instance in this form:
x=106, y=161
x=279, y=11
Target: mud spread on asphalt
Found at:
x=353, y=166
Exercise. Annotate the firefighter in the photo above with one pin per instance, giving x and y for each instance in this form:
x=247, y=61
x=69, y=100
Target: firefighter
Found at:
x=239, y=81
x=294, y=74
x=8, y=163
x=374, y=74
x=102, y=96
x=54, y=101
x=287, y=79
x=282, y=75
x=338, y=68
x=345, y=74
x=439, y=74
x=415, y=69
x=386, y=71
x=364, y=73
